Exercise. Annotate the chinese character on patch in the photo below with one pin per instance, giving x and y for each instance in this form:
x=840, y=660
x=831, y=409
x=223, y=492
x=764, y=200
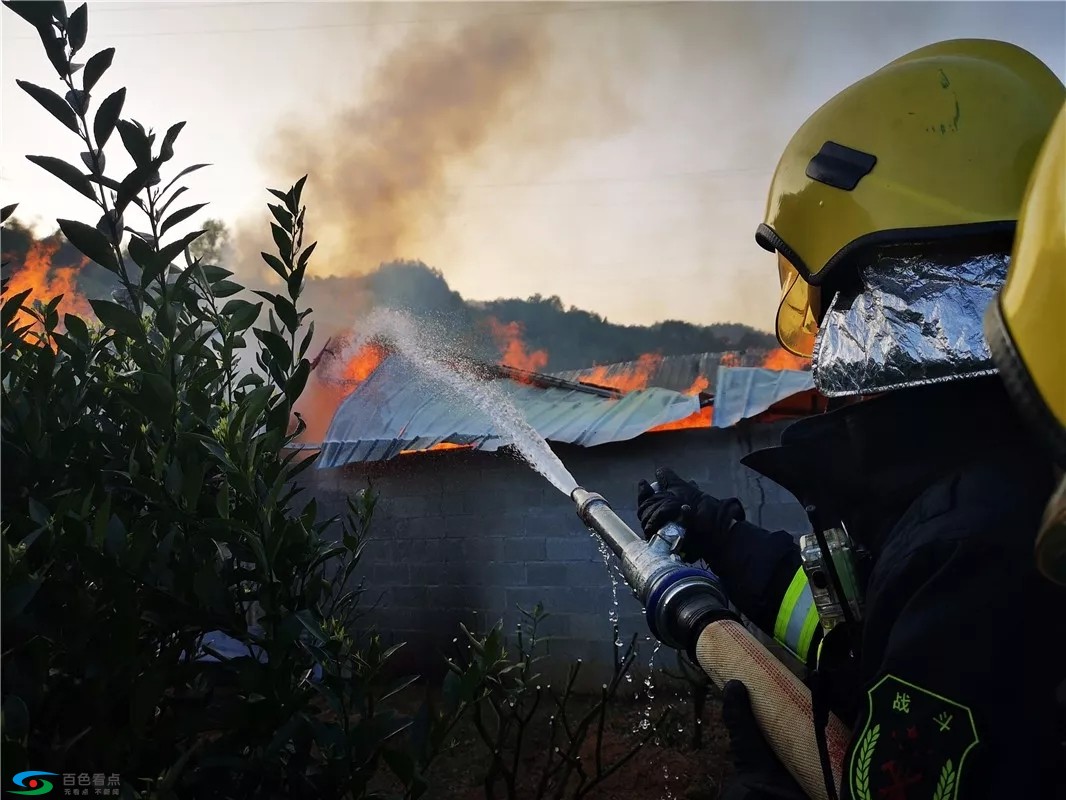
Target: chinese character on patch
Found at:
x=902, y=702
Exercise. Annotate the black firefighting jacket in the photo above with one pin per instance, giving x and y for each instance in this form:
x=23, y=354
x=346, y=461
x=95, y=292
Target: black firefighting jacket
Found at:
x=952, y=696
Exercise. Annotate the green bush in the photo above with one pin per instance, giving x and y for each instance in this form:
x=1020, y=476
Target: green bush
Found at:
x=148, y=501
x=497, y=681
x=149, y=504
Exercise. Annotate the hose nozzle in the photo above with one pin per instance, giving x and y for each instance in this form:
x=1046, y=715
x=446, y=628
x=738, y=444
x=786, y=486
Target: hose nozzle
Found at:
x=679, y=600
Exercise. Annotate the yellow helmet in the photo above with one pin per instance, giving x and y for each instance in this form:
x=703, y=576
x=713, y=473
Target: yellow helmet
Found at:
x=1026, y=328
x=936, y=145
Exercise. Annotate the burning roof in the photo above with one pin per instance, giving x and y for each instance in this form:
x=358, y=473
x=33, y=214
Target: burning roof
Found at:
x=681, y=373
x=398, y=409
x=394, y=408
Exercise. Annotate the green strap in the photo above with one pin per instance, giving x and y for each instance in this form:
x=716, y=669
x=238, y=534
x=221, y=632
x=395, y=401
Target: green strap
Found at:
x=797, y=618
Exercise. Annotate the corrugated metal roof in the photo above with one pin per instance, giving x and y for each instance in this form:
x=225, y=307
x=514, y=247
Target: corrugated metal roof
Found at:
x=398, y=408
x=745, y=392
x=677, y=373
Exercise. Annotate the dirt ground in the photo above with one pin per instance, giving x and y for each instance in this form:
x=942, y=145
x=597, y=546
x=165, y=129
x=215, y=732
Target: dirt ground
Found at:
x=669, y=768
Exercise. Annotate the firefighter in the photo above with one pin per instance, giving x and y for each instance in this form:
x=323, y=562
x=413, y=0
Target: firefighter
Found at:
x=1026, y=331
x=892, y=214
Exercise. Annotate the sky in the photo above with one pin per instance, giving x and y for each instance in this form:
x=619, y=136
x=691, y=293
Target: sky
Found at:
x=617, y=155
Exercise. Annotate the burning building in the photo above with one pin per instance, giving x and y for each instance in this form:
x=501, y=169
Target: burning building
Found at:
x=466, y=531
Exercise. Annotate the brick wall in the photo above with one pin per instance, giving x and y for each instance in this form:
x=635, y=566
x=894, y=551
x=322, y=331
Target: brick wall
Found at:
x=462, y=536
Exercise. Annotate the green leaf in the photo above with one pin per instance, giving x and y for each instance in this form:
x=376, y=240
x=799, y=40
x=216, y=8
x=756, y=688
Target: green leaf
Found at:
x=282, y=196
x=160, y=389
x=222, y=500
x=166, y=150
x=283, y=241
x=242, y=314
x=143, y=254
x=275, y=264
x=294, y=387
x=78, y=27
x=95, y=163
x=107, y=116
x=295, y=194
x=283, y=217
x=67, y=173
x=38, y=513
x=34, y=12
x=118, y=318
x=214, y=273
x=12, y=306
x=286, y=311
x=180, y=175
x=132, y=185
x=95, y=68
x=277, y=346
x=78, y=100
x=52, y=102
x=307, y=339
x=180, y=215
x=171, y=251
x=225, y=288
x=76, y=328
x=312, y=626
x=56, y=50
x=163, y=208
x=89, y=242
x=306, y=254
x=135, y=140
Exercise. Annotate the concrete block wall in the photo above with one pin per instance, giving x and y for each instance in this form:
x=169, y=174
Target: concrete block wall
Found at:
x=465, y=536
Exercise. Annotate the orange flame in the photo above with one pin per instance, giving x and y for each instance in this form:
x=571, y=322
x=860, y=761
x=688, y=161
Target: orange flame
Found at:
x=698, y=385
x=630, y=380
x=441, y=446
x=46, y=281
x=362, y=364
x=333, y=379
x=701, y=419
x=729, y=360
x=513, y=352
x=782, y=359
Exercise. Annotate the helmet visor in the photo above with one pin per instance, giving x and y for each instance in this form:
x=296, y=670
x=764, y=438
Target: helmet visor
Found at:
x=798, y=313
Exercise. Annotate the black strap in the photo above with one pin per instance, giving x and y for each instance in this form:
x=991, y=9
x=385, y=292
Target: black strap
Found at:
x=820, y=712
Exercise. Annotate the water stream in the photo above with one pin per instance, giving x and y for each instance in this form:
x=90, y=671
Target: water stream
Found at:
x=425, y=351
x=416, y=341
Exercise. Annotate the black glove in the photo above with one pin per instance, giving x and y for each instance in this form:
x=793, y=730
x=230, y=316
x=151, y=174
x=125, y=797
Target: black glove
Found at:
x=703, y=517
x=758, y=773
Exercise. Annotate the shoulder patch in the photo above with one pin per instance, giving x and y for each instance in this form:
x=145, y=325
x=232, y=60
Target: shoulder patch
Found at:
x=913, y=745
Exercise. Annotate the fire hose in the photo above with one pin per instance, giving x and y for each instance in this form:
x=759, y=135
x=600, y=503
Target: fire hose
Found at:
x=687, y=609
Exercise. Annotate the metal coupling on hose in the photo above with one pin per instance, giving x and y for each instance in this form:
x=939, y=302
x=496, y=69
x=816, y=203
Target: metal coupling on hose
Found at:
x=679, y=601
